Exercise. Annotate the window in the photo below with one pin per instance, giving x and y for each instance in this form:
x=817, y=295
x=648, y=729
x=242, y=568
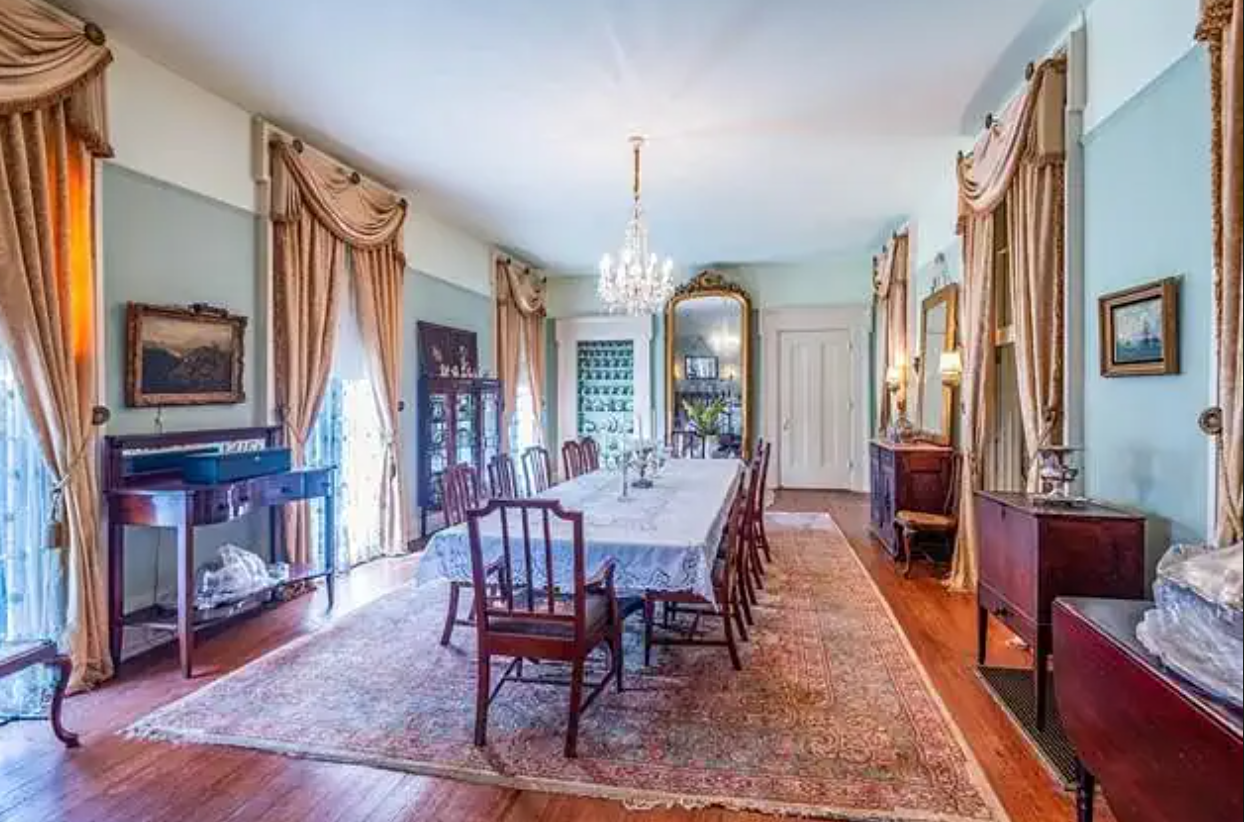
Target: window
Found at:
x=524, y=425
x=32, y=581
x=1007, y=465
x=348, y=434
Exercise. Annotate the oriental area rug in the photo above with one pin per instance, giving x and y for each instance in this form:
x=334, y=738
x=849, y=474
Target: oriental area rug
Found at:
x=832, y=716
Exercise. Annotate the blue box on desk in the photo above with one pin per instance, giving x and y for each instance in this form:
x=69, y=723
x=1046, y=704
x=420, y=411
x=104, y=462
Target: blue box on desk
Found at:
x=209, y=469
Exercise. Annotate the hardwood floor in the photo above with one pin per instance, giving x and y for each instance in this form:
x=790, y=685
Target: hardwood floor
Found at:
x=114, y=779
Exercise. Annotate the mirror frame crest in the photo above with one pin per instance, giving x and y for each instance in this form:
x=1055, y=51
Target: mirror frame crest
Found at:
x=711, y=283
x=949, y=296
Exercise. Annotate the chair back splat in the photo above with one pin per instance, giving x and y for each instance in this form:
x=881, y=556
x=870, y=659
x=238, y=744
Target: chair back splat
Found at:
x=502, y=478
x=536, y=469
x=591, y=453
x=460, y=490
x=574, y=463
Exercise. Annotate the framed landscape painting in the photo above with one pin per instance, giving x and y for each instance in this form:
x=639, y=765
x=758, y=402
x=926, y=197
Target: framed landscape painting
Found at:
x=1139, y=330
x=183, y=356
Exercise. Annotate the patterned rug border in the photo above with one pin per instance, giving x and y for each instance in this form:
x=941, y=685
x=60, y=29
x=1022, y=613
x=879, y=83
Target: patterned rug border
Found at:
x=148, y=728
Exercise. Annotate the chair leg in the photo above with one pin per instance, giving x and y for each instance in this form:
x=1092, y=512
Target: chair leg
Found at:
x=741, y=596
x=576, y=697
x=650, y=608
x=904, y=544
x=618, y=659
x=730, y=643
x=764, y=537
x=63, y=668
x=483, y=685
x=737, y=614
x=451, y=613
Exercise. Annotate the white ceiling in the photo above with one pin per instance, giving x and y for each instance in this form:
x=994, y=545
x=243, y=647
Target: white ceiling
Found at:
x=779, y=129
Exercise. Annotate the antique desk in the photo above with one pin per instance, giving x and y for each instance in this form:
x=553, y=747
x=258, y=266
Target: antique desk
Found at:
x=1162, y=750
x=137, y=494
x=906, y=477
x=1031, y=553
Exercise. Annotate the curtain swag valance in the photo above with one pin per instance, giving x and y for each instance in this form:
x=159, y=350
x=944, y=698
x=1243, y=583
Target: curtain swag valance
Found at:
x=1032, y=126
x=48, y=58
x=355, y=210
x=521, y=285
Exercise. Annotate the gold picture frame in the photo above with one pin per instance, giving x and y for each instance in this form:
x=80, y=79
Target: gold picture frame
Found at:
x=1138, y=330
x=183, y=356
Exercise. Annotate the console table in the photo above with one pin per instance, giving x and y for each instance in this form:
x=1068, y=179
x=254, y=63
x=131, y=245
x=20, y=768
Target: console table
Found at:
x=1031, y=553
x=18, y=656
x=1162, y=750
x=160, y=497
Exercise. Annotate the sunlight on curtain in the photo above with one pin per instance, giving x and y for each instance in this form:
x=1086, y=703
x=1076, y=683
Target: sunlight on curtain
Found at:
x=524, y=424
x=32, y=578
x=348, y=434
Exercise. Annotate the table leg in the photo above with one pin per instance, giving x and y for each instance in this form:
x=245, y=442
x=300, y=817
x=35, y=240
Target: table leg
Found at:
x=330, y=546
x=116, y=592
x=1040, y=664
x=185, y=591
x=63, y=668
x=982, y=633
x=1086, y=790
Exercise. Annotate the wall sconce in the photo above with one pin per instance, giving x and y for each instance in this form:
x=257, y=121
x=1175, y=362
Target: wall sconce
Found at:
x=893, y=377
x=951, y=367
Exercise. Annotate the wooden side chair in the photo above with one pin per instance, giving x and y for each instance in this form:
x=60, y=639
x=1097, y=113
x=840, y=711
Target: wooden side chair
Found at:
x=916, y=526
x=536, y=470
x=18, y=656
x=502, y=478
x=460, y=494
x=541, y=617
x=763, y=450
x=574, y=464
x=687, y=445
x=726, y=588
x=591, y=453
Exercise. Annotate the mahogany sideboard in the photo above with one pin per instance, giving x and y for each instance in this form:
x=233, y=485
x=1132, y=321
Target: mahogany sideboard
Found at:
x=162, y=498
x=906, y=477
x=1032, y=553
x=1162, y=750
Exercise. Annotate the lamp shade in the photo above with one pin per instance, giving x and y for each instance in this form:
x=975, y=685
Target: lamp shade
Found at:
x=951, y=366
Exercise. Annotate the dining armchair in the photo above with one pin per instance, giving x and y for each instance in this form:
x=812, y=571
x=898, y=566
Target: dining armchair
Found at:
x=573, y=461
x=460, y=493
x=550, y=612
x=536, y=469
x=687, y=445
x=502, y=478
x=591, y=453
x=912, y=526
x=727, y=575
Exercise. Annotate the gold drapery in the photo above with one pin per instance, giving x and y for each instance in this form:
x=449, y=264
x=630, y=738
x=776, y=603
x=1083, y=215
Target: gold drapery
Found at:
x=52, y=126
x=890, y=284
x=1222, y=29
x=1019, y=161
x=321, y=212
x=520, y=295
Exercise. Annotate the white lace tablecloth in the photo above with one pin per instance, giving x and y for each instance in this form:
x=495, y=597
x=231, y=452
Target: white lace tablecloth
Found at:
x=663, y=538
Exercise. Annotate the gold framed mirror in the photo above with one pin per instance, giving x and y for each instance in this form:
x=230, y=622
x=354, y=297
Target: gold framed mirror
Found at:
x=708, y=362
x=940, y=368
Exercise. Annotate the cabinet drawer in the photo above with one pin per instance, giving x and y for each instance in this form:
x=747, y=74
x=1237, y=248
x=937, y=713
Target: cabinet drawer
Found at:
x=279, y=490
x=1008, y=555
x=1002, y=610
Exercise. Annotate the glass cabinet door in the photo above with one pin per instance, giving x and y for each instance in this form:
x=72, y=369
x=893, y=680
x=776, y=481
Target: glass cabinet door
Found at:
x=490, y=420
x=466, y=417
x=438, y=443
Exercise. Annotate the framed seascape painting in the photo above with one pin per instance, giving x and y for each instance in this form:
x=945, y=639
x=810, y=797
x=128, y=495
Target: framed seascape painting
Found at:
x=1139, y=330
x=183, y=356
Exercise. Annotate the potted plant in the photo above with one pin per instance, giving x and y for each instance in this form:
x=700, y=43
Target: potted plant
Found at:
x=705, y=416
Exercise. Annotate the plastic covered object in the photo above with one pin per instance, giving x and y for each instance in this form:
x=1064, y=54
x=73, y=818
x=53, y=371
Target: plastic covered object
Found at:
x=237, y=574
x=1197, y=628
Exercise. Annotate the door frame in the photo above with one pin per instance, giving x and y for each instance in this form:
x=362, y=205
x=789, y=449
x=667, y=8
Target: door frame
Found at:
x=856, y=320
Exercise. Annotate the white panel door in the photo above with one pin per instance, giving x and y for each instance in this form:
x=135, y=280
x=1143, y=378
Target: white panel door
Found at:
x=816, y=406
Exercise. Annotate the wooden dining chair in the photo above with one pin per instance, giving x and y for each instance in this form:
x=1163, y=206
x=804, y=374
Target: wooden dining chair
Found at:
x=536, y=469
x=502, y=478
x=542, y=617
x=591, y=453
x=751, y=574
x=687, y=445
x=761, y=536
x=914, y=526
x=460, y=493
x=573, y=461
x=726, y=590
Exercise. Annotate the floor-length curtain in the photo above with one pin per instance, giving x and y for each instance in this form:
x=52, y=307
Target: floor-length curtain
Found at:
x=379, y=274
x=320, y=212
x=520, y=296
x=1222, y=29
x=890, y=280
x=52, y=126
x=975, y=388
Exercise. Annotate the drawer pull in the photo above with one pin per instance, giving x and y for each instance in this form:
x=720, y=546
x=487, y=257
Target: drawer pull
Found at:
x=1001, y=611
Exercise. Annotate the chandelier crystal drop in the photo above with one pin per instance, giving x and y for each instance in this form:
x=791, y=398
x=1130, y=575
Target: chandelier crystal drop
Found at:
x=635, y=281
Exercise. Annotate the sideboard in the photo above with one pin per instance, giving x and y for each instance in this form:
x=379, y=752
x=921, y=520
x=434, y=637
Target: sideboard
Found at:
x=906, y=477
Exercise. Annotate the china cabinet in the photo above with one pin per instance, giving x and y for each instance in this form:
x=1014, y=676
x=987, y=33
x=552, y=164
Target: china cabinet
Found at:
x=459, y=422
x=605, y=391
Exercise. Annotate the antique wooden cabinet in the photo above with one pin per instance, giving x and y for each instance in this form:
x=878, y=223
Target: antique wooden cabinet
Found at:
x=459, y=422
x=906, y=477
x=1161, y=748
x=1032, y=553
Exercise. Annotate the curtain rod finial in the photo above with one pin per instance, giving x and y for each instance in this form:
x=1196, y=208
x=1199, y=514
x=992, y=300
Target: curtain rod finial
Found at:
x=94, y=34
x=989, y=120
x=1030, y=70
x=298, y=145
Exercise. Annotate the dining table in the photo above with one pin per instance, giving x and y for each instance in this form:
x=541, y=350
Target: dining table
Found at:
x=660, y=538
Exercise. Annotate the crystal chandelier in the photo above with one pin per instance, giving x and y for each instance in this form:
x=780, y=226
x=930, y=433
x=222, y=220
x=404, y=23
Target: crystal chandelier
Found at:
x=634, y=281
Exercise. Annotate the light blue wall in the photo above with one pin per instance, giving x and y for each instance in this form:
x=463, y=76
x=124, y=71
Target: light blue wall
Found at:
x=162, y=244
x=1148, y=216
